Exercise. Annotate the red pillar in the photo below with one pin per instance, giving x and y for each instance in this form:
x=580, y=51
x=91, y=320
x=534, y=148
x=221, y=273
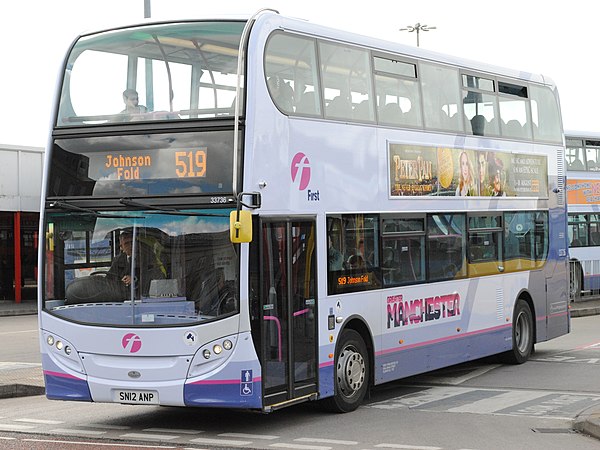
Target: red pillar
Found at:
x=17, y=243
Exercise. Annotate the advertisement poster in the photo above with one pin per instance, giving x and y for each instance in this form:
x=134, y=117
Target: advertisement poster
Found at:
x=583, y=192
x=441, y=171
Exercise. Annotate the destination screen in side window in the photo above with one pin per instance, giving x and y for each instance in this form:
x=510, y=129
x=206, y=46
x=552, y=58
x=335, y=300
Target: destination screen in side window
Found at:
x=140, y=165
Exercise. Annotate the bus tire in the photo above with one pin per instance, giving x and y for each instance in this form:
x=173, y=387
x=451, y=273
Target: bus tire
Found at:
x=351, y=373
x=522, y=335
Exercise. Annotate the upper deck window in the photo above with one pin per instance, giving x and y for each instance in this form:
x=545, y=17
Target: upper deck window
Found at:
x=441, y=98
x=480, y=105
x=346, y=75
x=397, y=92
x=475, y=82
x=308, y=76
x=394, y=67
x=514, y=111
x=187, y=71
x=545, y=114
x=512, y=89
x=292, y=74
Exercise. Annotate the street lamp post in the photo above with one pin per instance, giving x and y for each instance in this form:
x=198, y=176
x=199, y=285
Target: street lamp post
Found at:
x=418, y=28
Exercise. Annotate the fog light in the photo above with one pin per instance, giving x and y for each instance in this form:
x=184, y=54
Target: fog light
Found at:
x=67, y=350
x=206, y=354
x=59, y=345
x=227, y=344
x=217, y=349
x=50, y=340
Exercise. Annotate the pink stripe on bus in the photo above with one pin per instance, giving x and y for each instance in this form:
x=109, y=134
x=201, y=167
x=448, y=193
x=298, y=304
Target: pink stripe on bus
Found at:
x=61, y=375
x=436, y=341
x=216, y=382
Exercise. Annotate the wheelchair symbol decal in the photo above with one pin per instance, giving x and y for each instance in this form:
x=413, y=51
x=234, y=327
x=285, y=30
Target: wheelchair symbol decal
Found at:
x=246, y=385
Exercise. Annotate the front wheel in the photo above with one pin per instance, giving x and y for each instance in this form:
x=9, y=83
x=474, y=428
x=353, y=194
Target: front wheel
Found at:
x=522, y=335
x=351, y=373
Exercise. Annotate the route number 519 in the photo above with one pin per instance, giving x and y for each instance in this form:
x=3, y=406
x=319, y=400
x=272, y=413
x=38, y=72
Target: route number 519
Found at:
x=190, y=163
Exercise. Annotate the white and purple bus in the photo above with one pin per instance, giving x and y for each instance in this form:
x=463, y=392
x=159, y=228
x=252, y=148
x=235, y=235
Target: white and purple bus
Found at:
x=583, y=199
x=283, y=212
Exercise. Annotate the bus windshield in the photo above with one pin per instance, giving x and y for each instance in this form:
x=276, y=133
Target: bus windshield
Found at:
x=140, y=267
x=160, y=72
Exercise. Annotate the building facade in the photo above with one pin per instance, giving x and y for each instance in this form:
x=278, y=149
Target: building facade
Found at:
x=21, y=171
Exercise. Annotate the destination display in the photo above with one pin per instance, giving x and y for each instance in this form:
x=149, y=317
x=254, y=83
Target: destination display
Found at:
x=144, y=164
x=139, y=165
x=441, y=171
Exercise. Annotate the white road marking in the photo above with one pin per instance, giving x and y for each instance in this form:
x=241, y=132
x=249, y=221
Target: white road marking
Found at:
x=419, y=399
x=172, y=430
x=40, y=421
x=111, y=444
x=248, y=436
x=455, y=381
x=77, y=432
x=13, y=427
x=220, y=442
x=300, y=447
x=158, y=437
x=4, y=333
x=408, y=447
x=107, y=427
x=325, y=441
x=498, y=402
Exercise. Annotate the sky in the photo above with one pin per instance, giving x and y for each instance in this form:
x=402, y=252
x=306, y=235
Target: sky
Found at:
x=556, y=39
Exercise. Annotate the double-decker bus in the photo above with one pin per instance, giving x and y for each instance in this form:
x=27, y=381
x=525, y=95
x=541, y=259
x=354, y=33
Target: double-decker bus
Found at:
x=287, y=212
x=583, y=199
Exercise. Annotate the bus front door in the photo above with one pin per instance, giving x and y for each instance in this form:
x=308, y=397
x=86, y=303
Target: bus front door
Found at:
x=288, y=311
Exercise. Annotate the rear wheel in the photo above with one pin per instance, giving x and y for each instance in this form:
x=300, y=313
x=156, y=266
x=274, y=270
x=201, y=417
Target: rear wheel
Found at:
x=522, y=335
x=351, y=373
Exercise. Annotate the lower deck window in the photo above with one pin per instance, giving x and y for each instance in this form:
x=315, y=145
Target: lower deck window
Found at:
x=371, y=251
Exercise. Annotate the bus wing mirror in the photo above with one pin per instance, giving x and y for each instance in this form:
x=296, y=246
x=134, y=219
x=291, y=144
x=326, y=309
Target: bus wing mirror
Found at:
x=254, y=197
x=240, y=221
x=240, y=226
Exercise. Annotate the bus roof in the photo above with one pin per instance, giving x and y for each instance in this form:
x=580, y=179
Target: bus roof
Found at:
x=582, y=134
x=303, y=26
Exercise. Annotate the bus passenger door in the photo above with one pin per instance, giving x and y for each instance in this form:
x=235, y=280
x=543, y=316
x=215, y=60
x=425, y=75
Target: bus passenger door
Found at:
x=288, y=311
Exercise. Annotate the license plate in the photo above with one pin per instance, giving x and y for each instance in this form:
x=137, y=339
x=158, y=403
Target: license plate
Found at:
x=136, y=397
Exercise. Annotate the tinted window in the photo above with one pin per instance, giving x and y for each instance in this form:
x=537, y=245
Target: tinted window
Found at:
x=292, y=74
x=174, y=72
x=446, y=246
x=346, y=75
x=441, y=97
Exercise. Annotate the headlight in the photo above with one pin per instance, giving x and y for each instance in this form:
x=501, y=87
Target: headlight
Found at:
x=50, y=340
x=217, y=349
x=227, y=344
x=206, y=353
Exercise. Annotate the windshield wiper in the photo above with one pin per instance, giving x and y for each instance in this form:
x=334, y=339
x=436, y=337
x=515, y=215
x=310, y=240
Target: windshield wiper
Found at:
x=70, y=207
x=169, y=211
